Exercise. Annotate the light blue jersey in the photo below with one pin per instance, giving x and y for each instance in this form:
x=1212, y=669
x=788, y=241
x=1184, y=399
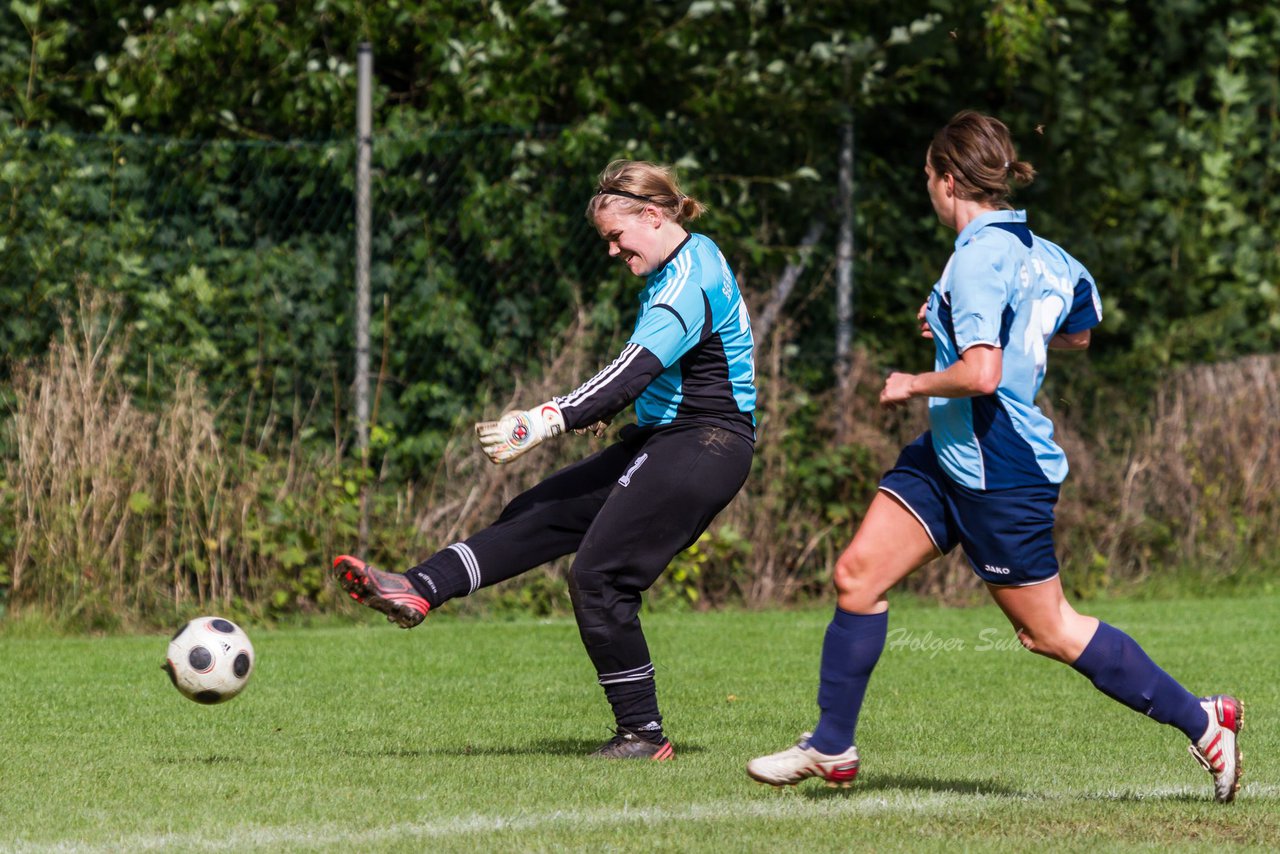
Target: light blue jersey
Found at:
x=1010, y=289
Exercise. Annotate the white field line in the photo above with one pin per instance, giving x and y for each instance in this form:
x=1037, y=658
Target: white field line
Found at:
x=1255, y=791
x=343, y=836
x=785, y=806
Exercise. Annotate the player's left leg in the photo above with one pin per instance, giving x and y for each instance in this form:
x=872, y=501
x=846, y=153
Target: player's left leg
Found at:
x=666, y=498
x=1117, y=666
x=540, y=524
x=906, y=525
x=545, y=522
x=1044, y=620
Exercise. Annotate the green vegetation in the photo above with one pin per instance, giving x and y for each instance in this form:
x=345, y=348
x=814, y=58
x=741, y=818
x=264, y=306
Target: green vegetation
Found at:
x=366, y=737
x=123, y=515
x=187, y=168
x=1155, y=127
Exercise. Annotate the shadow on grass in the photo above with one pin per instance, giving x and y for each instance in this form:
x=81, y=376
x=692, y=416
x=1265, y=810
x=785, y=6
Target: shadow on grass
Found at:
x=546, y=747
x=1165, y=797
x=906, y=783
x=214, y=759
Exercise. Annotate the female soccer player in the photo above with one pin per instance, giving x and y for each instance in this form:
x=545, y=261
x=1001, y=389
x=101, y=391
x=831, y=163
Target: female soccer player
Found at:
x=987, y=473
x=629, y=509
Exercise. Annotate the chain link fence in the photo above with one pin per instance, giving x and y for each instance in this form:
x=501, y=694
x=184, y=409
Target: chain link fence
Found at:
x=235, y=261
x=237, y=258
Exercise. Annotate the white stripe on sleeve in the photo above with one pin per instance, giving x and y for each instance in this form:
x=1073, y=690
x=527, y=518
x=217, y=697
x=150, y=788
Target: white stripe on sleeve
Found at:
x=602, y=379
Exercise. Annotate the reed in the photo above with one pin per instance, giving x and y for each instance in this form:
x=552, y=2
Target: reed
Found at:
x=125, y=513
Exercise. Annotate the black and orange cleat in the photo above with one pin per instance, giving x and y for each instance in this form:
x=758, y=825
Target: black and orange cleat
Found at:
x=626, y=744
x=387, y=592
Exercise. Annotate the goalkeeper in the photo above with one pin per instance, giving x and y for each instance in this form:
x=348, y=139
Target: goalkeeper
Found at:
x=628, y=510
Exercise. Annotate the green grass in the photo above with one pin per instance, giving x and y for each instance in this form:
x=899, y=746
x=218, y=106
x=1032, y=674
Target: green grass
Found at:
x=468, y=735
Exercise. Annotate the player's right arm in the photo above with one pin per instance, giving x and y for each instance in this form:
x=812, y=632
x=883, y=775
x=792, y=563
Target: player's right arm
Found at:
x=925, y=331
x=671, y=326
x=588, y=407
x=1084, y=314
x=664, y=332
x=612, y=389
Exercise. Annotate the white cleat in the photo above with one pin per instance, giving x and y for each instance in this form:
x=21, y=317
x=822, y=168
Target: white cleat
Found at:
x=1217, y=750
x=800, y=761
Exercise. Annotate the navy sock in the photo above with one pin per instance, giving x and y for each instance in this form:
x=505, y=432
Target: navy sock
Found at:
x=850, y=650
x=1118, y=667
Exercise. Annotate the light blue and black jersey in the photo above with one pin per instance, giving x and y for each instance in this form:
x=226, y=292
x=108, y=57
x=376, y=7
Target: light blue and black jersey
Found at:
x=691, y=358
x=1010, y=289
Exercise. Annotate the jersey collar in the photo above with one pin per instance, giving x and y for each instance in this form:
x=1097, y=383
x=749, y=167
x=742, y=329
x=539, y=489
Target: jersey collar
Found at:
x=988, y=218
x=657, y=274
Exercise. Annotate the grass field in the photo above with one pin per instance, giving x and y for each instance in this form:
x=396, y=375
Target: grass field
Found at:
x=466, y=735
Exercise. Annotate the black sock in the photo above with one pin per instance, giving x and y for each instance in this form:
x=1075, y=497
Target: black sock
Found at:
x=635, y=707
x=443, y=576
x=650, y=732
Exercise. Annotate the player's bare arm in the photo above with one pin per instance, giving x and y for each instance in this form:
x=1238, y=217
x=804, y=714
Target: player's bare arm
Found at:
x=977, y=371
x=1071, y=340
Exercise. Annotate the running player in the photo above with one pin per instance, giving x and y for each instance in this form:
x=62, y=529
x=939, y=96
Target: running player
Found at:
x=629, y=509
x=986, y=475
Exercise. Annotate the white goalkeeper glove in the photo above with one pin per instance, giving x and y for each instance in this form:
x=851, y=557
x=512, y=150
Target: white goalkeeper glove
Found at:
x=519, y=430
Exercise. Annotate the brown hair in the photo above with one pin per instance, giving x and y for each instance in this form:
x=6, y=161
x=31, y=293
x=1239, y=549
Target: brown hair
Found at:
x=630, y=185
x=977, y=151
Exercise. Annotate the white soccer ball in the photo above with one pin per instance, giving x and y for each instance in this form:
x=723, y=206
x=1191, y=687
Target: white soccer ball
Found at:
x=210, y=660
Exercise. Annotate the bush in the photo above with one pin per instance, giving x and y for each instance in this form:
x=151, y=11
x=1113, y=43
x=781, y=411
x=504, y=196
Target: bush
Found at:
x=120, y=513
x=125, y=514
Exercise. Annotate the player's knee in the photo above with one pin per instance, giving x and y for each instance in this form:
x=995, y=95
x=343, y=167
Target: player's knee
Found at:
x=596, y=633
x=1025, y=638
x=855, y=583
x=594, y=591
x=586, y=588
x=1051, y=642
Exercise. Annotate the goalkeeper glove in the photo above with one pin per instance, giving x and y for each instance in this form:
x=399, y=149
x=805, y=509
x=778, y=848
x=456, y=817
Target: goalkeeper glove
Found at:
x=519, y=430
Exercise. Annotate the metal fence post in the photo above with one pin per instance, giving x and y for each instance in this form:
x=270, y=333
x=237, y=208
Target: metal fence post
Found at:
x=364, y=156
x=845, y=294
x=844, y=250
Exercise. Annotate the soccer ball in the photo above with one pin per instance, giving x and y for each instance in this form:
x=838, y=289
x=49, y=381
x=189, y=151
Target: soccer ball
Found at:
x=210, y=660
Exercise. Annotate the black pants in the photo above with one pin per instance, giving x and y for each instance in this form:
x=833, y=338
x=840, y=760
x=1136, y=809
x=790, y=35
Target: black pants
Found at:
x=626, y=511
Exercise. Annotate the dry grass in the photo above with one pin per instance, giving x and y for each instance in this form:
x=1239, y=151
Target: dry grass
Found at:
x=1199, y=487
x=88, y=466
x=125, y=513
x=1202, y=485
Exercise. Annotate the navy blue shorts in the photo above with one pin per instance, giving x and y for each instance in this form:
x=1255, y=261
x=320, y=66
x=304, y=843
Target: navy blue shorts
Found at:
x=1007, y=534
